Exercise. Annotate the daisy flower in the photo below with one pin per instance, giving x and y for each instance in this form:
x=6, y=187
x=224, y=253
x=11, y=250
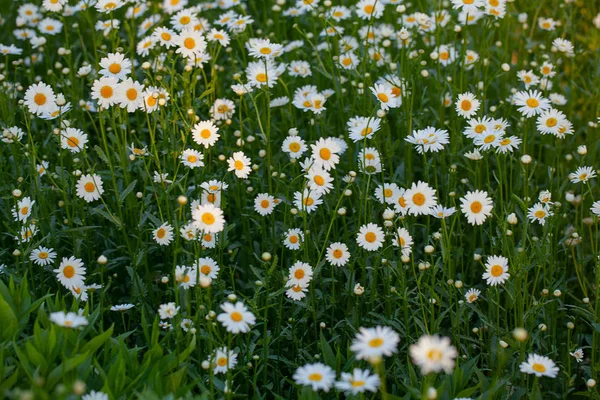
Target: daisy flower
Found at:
x=300, y=273
x=595, y=209
x=71, y=272
x=477, y=206
x=89, y=187
x=122, y=307
x=539, y=366
x=582, y=174
x=107, y=6
x=467, y=105
x=530, y=103
x=420, y=198
x=236, y=318
x=293, y=239
x=205, y=133
x=496, y=270
x=385, y=96
x=240, y=164
x=185, y=276
x=472, y=295
x=222, y=109
x=103, y=91
x=319, y=180
x=361, y=128
x=367, y=9
x=42, y=256
x=325, y=153
x=404, y=240
x=129, y=95
x=294, y=146
x=433, y=354
x=264, y=204
x=163, y=235
x=208, y=218
x=296, y=292
x=115, y=65
x=263, y=48
x=207, y=267
x=338, y=254
x=23, y=209
x=168, y=310
x=538, y=212
x=318, y=376
x=429, y=139
x=192, y=158
x=190, y=44
x=374, y=343
x=386, y=193
x=370, y=237
x=307, y=200
x=223, y=360
x=577, y=355
x=359, y=381
x=68, y=320
x=73, y=139
x=40, y=98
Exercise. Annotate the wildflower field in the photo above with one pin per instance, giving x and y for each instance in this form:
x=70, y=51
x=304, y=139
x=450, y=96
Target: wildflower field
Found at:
x=316, y=199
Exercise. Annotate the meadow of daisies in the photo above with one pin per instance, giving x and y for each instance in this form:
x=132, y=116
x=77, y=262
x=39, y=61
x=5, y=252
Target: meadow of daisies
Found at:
x=278, y=199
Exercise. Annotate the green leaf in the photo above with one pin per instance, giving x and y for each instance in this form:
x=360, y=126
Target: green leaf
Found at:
x=328, y=354
x=98, y=341
x=10, y=323
x=126, y=192
x=57, y=373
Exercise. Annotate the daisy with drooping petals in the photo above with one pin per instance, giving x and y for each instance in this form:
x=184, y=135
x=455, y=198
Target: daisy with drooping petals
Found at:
x=122, y=307
x=205, y=133
x=42, y=256
x=240, y=164
x=71, y=272
x=23, y=209
x=420, y=198
x=433, y=354
x=472, y=295
x=370, y=237
x=163, y=235
x=338, y=254
x=318, y=376
x=40, y=98
x=359, y=381
x=404, y=240
x=168, y=310
x=372, y=344
x=467, y=105
x=496, y=270
x=429, y=139
x=477, y=206
x=539, y=366
x=89, y=187
x=208, y=218
x=236, y=318
x=115, y=65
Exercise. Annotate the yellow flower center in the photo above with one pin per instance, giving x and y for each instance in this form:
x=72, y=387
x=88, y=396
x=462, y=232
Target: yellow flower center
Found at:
x=370, y=237
x=537, y=367
x=497, y=270
x=476, y=206
x=131, y=94
x=377, y=342
x=418, y=199
x=106, y=92
x=69, y=271
x=189, y=43
x=40, y=99
x=236, y=316
x=299, y=274
x=208, y=218
x=89, y=187
x=533, y=103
